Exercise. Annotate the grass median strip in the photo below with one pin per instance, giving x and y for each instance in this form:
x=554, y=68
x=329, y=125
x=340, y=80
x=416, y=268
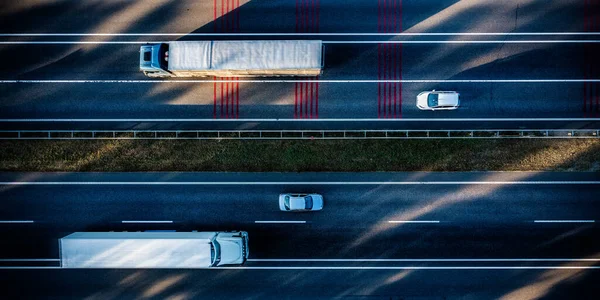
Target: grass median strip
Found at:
x=301, y=155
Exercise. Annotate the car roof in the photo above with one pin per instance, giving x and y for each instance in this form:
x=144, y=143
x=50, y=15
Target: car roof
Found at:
x=447, y=98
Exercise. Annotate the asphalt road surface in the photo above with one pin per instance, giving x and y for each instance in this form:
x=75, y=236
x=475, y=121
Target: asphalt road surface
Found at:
x=552, y=43
x=420, y=235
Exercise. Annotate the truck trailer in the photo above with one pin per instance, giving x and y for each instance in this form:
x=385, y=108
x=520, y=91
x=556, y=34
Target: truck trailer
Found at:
x=153, y=249
x=232, y=58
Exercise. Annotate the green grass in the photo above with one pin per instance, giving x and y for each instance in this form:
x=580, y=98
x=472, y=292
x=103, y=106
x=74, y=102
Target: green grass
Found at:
x=301, y=156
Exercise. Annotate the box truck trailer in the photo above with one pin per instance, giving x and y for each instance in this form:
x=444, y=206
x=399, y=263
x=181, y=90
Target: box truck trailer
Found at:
x=232, y=58
x=153, y=249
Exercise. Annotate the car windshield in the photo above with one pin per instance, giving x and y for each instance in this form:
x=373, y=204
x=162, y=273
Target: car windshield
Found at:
x=286, y=202
x=432, y=100
x=308, y=202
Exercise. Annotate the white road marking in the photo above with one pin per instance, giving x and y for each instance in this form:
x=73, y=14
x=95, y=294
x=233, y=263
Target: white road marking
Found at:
x=366, y=268
x=28, y=259
x=413, y=221
x=307, y=34
x=320, y=120
x=280, y=222
x=17, y=222
x=324, y=42
x=584, y=182
x=564, y=221
x=102, y=81
x=376, y=259
x=427, y=260
x=418, y=268
x=125, y=222
x=26, y=268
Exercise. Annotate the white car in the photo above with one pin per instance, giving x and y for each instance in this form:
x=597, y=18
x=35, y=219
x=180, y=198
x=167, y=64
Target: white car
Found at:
x=300, y=202
x=438, y=100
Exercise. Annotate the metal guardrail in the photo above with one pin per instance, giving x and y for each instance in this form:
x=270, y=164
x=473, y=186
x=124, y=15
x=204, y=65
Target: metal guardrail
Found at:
x=290, y=134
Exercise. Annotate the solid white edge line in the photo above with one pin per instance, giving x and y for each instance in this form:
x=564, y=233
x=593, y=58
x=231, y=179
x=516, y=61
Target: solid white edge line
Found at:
x=418, y=268
x=18, y=34
x=564, y=221
x=17, y=222
x=429, y=260
x=28, y=81
x=324, y=42
x=126, y=222
x=28, y=259
x=413, y=221
x=280, y=222
x=376, y=259
x=319, y=120
x=355, y=268
x=300, y=183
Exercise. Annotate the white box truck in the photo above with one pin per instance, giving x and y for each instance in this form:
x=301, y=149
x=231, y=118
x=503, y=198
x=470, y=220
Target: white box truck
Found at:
x=153, y=249
x=232, y=58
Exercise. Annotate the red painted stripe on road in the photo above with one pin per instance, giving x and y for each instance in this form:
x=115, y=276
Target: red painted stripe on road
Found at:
x=306, y=14
x=215, y=15
x=400, y=77
x=384, y=18
x=385, y=72
x=222, y=16
x=232, y=96
x=222, y=99
x=379, y=78
x=395, y=75
x=306, y=99
x=391, y=85
x=317, y=99
x=318, y=15
x=312, y=95
x=300, y=96
x=237, y=100
x=214, y=98
x=378, y=15
x=238, y=15
x=227, y=98
x=295, y=100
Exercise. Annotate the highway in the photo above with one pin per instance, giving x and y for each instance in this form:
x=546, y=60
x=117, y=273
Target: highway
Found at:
x=516, y=65
x=379, y=234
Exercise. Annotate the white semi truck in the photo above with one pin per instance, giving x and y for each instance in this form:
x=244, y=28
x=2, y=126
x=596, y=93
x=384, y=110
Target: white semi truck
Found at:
x=232, y=58
x=153, y=249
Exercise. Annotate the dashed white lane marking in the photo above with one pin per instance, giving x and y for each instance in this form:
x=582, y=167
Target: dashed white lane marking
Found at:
x=324, y=42
x=125, y=222
x=16, y=222
x=564, y=221
x=27, y=81
x=427, y=260
x=308, y=34
x=320, y=120
x=280, y=222
x=299, y=183
x=413, y=222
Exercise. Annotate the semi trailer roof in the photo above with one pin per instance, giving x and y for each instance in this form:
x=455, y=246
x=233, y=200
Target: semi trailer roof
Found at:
x=244, y=55
x=136, y=250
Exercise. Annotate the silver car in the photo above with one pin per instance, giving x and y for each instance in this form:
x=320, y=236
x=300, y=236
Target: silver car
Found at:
x=438, y=100
x=300, y=202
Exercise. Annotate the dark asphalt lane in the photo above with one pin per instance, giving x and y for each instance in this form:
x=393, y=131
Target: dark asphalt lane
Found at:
x=302, y=284
x=475, y=220
x=479, y=220
x=343, y=61
x=94, y=16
